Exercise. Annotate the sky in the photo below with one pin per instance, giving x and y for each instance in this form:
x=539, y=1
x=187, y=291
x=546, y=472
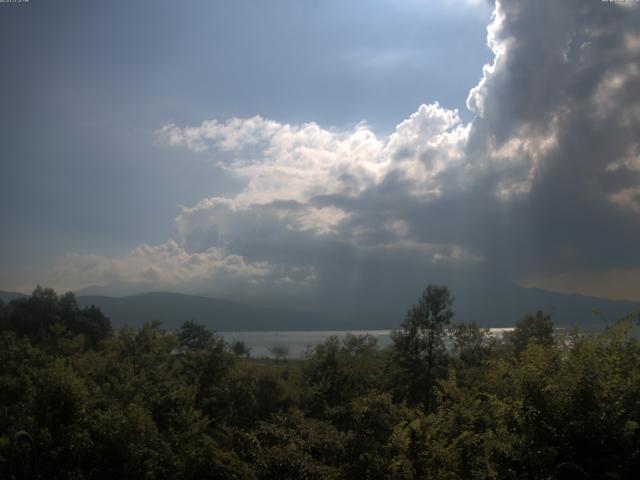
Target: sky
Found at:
x=320, y=152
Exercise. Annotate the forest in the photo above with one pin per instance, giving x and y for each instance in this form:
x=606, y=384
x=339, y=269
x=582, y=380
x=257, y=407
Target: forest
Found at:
x=446, y=400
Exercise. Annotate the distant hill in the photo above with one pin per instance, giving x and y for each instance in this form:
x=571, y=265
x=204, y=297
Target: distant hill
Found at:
x=502, y=307
x=506, y=306
x=6, y=297
x=119, y=289
x=173, y=308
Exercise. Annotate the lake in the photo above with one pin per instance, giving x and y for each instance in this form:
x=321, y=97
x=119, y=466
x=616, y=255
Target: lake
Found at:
x=299, y=341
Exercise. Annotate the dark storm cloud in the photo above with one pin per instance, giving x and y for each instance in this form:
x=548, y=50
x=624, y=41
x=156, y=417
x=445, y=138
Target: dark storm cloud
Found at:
x=569, y=71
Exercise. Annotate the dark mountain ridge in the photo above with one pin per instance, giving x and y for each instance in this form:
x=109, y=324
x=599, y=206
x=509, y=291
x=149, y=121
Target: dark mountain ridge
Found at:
x=172, y=309
x=502, y=309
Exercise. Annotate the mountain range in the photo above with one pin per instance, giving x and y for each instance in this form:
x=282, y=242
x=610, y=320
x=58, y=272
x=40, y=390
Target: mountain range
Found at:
x=502, y=310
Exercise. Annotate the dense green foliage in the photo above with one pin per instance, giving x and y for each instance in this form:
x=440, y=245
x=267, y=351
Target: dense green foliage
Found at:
x=443, y=402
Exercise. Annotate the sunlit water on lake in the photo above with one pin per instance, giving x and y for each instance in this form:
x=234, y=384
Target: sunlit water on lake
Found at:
x=298, y=342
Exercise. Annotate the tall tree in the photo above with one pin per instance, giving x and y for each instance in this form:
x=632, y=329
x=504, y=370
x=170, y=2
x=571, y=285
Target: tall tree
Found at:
x=536, y=327
x=419, y=344
x=194, y=336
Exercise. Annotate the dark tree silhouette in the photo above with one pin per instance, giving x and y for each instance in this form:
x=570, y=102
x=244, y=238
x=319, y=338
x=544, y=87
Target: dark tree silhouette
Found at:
x=419, y=344
x=240, y=348
x=279, y=351
x=44, y=315
x=194, y=336
x=536, y=327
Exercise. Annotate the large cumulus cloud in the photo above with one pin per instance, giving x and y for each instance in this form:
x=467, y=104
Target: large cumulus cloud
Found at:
x=543, y=182
x=558, y=124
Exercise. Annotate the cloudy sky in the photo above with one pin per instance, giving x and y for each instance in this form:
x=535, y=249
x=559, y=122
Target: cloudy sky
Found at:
x=304, y=151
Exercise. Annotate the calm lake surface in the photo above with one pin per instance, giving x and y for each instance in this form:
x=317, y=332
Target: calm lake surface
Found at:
x=299, y=341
